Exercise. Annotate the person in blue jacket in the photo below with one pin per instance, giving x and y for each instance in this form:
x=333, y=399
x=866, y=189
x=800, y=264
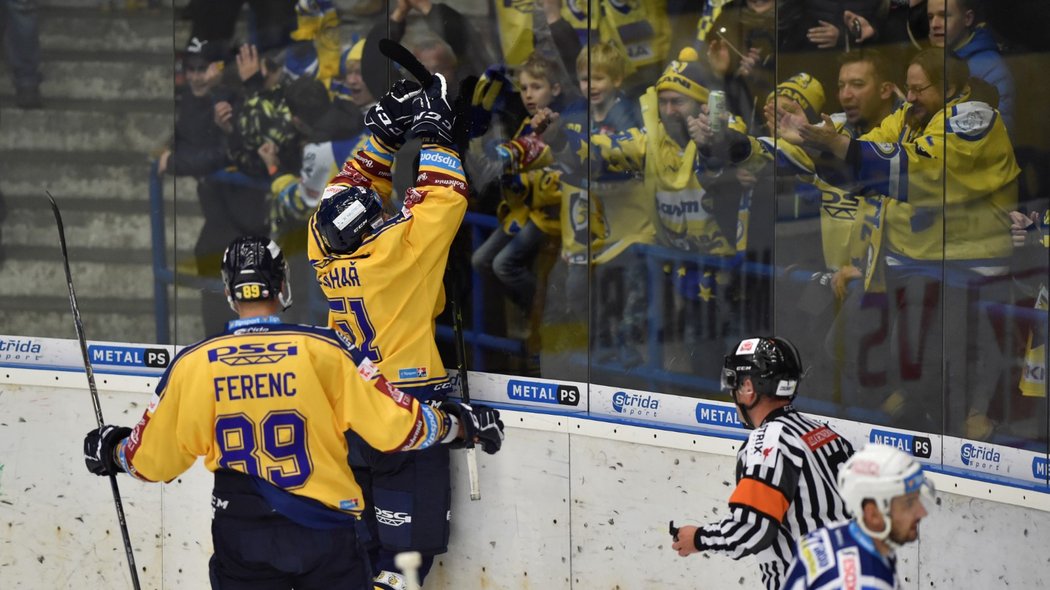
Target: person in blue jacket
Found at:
x=955, y=24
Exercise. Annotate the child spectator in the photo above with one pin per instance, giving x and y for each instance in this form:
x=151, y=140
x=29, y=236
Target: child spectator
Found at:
x=529, y=208
x=605, y=210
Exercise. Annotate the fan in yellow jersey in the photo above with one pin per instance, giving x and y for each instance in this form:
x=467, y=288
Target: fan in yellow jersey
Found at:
x=383, y=281
x=266, y=404
x=947, y=172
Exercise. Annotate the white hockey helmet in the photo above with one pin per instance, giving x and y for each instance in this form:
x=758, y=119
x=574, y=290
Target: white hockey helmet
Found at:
x=880, y=473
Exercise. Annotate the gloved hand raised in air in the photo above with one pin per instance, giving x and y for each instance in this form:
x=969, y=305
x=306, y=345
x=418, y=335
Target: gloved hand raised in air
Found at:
x=433, y=120
x=391, y=117
x=98, y=449
x=481, y=425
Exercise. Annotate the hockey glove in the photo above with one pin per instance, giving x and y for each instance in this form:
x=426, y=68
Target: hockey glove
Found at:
x=481, y=425
x=433, y=121
x=524, y=153
x=391, y=117
x=98, y=449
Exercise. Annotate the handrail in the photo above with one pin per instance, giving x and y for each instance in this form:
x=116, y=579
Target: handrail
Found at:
x=162, y=274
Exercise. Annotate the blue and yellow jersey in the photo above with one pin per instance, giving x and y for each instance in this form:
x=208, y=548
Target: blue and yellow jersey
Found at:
x=672, y=175
x=273, y=400
x=530, y=191
x=840, y=556
x=640, y=27
x=838, y=205
x=949, y=186
x=387, y=294
x=605, y=209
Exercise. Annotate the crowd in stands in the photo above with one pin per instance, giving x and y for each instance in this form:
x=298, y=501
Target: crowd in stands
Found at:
x=860, y=192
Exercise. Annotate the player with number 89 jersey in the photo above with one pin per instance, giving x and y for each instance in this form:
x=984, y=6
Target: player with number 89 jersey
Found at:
x=267, y=404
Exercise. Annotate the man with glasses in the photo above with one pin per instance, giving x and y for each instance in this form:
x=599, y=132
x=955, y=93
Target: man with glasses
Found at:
x=786, y=470
x=938, y=240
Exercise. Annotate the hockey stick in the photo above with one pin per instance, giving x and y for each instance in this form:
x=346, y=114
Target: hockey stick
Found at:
x=94, y=390
x=460, y=132
x=408, y=562
x=461, y=362
x=400, y=55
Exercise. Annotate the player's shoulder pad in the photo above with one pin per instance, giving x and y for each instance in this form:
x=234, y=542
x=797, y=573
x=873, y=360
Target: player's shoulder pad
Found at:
x=971, y=120
x=816, y=554
x=764, y=445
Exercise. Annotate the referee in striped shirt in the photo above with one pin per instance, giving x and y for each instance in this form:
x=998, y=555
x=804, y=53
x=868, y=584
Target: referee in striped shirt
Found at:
x=786, y=470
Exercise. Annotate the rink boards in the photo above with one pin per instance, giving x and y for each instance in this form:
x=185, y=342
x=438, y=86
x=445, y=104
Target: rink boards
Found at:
x=579, y=497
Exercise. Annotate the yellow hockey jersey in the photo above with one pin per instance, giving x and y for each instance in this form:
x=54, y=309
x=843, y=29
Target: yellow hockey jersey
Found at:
x=272, y=400
x=671, y=174
x=950, y=185
x=387, y=294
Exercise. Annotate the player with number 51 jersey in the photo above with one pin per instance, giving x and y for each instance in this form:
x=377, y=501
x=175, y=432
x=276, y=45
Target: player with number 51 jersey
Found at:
x=384, y=278
x=384, y=282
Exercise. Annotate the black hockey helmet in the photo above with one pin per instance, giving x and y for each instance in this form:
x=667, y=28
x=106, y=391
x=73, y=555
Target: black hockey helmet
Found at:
x=773, y=364
x=253, y=269
x=347, y=217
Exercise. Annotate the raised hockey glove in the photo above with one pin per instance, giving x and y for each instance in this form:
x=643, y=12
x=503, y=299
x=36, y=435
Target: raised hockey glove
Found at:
x=98, y=449
x=481, y=425
x=391, y=117
x=433, y=120
x=524, y=153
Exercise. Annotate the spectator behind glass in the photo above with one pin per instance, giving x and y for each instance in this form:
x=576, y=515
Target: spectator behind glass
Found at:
x=601, y=222
x=529, y=206
x=943, y=240
x=214, y=21
x=199, y=149
x=329, y=135
x=350, y=85
x=22, y=48
x=954, y=24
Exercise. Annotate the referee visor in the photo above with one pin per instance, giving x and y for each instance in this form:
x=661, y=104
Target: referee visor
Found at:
x=731, y=379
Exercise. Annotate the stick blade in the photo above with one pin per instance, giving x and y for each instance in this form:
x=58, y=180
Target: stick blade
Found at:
x=400, y=55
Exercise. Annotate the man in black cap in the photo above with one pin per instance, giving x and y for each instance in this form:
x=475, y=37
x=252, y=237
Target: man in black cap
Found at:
x=199, y=149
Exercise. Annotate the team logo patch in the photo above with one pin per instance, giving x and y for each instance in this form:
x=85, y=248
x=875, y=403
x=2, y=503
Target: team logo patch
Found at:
x=367, y=370
x=351, y=504
x=747, y=346
x=815, y=553
x=815, y=439
x=849, y=568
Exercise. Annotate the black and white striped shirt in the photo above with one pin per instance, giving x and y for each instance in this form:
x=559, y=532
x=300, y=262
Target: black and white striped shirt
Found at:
x=786, y=473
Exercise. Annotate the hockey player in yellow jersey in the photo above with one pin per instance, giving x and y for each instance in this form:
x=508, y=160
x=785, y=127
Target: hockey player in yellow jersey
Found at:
x=266, y=404
x=384, y=284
